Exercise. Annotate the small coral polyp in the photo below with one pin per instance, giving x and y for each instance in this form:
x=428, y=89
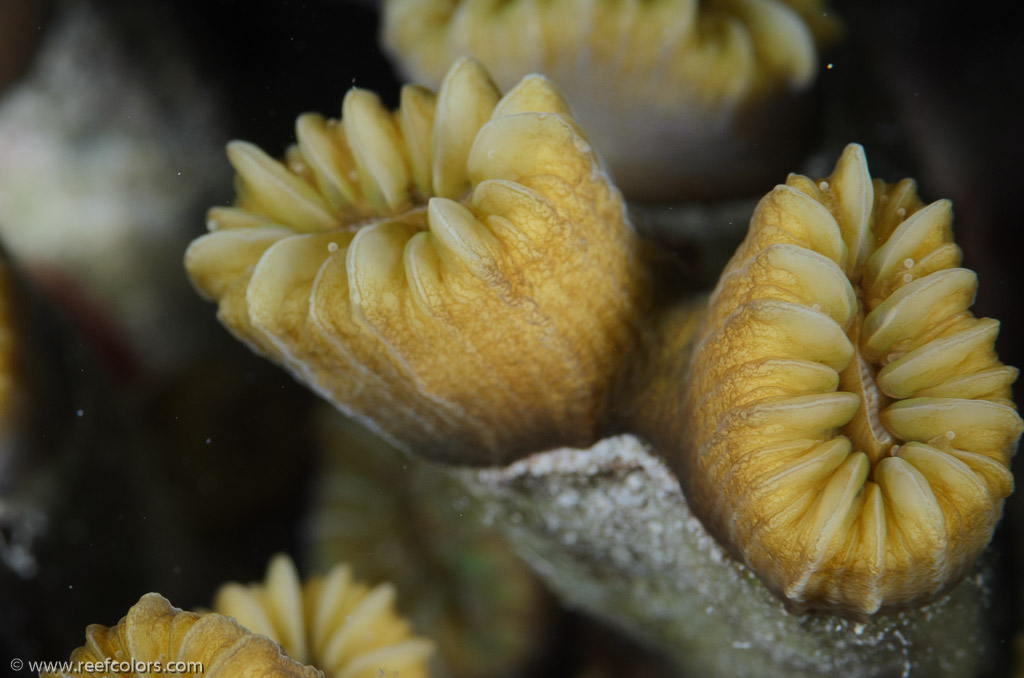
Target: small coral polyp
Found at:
x=331, y=625
x=157, y=638
x=341, y=626
x=850, y=425
x=434, y=270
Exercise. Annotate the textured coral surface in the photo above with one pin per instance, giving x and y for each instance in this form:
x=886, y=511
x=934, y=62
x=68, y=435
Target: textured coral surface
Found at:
x=434, y=270
x=849, y=426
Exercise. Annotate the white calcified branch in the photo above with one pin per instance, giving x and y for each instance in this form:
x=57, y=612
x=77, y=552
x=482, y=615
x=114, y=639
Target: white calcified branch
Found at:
x=610, y=531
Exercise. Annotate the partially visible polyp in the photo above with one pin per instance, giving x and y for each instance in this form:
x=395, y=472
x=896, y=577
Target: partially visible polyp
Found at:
x=683, y=99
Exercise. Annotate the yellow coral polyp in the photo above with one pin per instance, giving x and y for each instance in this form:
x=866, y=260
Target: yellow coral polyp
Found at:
x=158, y=638
x=434, y=270
x=713, y=50
x=849, y=425
x=674, y=92
x=341, y=626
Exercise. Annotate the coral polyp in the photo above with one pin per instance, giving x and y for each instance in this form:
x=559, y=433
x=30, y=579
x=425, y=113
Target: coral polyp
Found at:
x=681, y=97
x=156, y=637
x=848, y=425
x=444, y=264
x=342, y=626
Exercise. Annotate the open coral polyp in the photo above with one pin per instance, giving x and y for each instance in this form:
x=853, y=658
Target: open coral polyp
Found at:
x=342, y=626
x=849, y=425
x=155, y=637
x=433, y=271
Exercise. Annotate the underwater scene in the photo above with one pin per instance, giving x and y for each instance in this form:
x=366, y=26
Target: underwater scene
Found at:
x=510, y=338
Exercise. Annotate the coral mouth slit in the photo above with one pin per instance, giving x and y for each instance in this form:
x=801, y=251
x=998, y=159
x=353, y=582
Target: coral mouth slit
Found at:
x=866, y=431
x=850, y=424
